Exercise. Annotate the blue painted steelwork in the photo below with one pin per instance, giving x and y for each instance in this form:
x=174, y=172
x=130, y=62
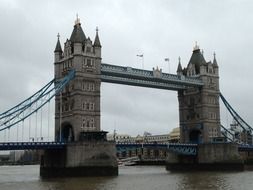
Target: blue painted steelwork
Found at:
x=34, y=103
x=31, y=145
x=140, y=145
x=183, y=149
x=245, y=148
x=242, y=123
x=152, y=79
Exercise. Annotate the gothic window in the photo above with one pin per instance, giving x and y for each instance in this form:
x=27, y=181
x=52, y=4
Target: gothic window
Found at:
x=58, y=107
x=88, y=49
x=92, y=124
x=88, y=86
x=72, y=104
x=84, y=123
x=66, y=107
x=84, y=63
x=91, y=106
x=87, y=106
x=93, y=63
x=192, y=101
x=91, y=86
x=88, y=63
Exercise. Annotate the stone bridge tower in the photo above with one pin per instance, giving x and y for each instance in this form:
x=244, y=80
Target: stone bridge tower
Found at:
x=77, y=108
x=77, y=113
x=199, y=110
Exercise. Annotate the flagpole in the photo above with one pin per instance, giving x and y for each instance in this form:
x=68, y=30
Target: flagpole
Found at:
x=142, y=61
x=142, y=56
x=168, y=59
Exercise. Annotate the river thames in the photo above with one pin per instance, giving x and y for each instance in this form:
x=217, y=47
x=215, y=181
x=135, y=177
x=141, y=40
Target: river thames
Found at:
x=130, y=178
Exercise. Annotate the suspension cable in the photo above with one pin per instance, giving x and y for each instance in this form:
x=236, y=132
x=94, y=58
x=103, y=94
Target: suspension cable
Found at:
x=60, y=116
x=36, y=115
x=235, y=115
x=41, y=138
x=48, y=120
x=30, y=121
x=8, y=134
x=23, y=123
x=17, y=131
x=12, y=116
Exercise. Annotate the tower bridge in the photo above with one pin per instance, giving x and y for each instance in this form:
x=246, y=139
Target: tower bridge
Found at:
x=80, y=146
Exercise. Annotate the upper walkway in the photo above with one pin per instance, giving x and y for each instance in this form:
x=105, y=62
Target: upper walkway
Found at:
x=152, y=79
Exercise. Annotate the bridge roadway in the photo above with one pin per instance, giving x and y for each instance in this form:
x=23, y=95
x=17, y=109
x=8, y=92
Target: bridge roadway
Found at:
x=184, y=149
x=31, y=145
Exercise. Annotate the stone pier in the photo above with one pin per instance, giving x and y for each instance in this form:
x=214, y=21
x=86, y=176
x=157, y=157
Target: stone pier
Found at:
x=210, y=157
x=80, y=159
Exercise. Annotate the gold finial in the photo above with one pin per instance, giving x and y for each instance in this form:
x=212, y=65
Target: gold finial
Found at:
x=96, y=29
x=196, y=47
x=214, y=55
x=58, y=36
x=179, y=59
x=77, y=21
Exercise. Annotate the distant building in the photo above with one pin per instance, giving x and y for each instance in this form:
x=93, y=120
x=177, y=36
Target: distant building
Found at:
x=125, y=138
x=240, y=134
x=157, y=138
x=174, y=135
x=120, y=138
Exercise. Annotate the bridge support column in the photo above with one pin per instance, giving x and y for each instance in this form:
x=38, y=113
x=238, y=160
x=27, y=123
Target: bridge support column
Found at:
x=80, y=159
x=210, y=157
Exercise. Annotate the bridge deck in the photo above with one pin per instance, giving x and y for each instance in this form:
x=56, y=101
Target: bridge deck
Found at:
x=31, y=145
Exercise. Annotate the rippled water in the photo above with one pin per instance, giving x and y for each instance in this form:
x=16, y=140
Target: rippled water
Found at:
x=130, y=178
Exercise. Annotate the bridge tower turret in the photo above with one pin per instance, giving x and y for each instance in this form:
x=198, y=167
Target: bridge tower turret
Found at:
x=58, y=50
x=77, y=108
x=199, y=110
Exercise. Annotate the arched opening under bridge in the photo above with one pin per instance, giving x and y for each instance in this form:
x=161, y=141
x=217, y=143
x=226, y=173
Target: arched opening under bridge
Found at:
x=67, y=132
x=195, y=136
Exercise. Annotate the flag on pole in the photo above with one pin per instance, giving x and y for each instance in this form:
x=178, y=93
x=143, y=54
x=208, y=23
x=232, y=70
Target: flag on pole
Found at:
x=141, y=55
x=166, y=59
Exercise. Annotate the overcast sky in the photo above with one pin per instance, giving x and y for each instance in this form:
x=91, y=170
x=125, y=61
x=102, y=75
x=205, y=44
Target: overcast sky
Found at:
x=157, y=29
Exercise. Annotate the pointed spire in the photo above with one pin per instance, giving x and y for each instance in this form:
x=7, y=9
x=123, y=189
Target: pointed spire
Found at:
x=58, y=44
x=197, y=59
x=77, y=33
x=97, y=41
x=77, y=21
x=179, y=67
x=196, y=47
x=214, y=60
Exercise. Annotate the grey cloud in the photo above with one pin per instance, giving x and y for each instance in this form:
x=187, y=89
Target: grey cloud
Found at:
x=158, y=29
